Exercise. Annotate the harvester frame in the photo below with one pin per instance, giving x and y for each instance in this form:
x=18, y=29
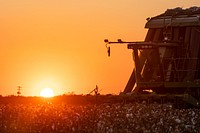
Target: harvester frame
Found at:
x=168, y=61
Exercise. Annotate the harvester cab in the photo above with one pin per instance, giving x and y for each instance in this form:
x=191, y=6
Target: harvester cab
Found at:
x=168, y=61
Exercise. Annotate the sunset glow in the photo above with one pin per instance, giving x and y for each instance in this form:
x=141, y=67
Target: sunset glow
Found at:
x=60, y=44
x=47, y=92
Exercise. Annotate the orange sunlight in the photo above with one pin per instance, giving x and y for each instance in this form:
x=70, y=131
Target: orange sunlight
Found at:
x=60, y=44
x=47, y=93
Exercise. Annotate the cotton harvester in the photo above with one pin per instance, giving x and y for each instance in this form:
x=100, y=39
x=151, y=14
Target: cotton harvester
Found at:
x=168, y=61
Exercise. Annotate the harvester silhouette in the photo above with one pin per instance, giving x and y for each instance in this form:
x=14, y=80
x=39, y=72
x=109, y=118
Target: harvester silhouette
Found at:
x=167, y=62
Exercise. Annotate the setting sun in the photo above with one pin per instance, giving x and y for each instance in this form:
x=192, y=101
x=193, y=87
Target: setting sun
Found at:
x=47, y=92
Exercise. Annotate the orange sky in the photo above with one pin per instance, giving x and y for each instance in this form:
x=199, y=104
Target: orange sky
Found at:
x=59, y=43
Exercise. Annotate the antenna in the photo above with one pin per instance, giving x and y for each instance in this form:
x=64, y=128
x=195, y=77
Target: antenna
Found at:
x=19, y=90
